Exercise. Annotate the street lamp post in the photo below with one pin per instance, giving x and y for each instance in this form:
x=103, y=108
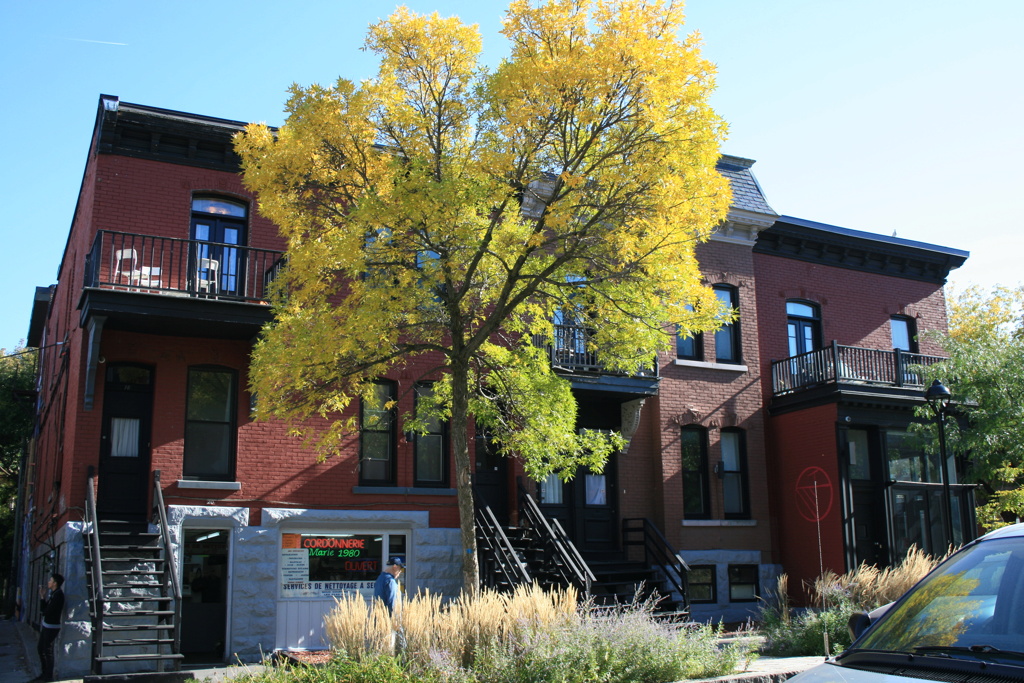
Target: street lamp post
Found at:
x=938, y=397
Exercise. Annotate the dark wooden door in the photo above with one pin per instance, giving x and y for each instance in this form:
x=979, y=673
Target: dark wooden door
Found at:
x=585, y=506
x=490, y=478
x=125, y=442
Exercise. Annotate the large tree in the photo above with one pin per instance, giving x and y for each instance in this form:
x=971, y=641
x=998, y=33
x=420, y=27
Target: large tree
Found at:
x=985, y=373
x=17, y=378
x=445, y=211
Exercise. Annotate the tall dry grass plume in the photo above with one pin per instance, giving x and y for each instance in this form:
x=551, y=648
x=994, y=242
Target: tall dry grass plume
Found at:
x=870, y=587
x=459, y=628
x=358, y=629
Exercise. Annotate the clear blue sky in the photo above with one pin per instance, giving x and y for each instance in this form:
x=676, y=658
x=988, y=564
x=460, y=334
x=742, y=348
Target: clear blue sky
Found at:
x=902, y=116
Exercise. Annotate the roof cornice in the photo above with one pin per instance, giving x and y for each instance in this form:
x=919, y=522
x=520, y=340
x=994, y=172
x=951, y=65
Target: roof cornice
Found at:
x=830, y=245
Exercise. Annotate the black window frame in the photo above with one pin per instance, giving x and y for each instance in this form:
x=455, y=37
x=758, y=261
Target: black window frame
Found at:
x=712, y=583
x=802, y=322
x=911, y=324
x=419, y=439
x=695, y=478
x=229, y=278
x=741, y=475
x=390, y=437
x=727, y=337
x=736, y=574
x=189, y=471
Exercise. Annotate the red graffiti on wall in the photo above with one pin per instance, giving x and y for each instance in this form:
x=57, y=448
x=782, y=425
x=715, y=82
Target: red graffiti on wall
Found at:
x=814, y=494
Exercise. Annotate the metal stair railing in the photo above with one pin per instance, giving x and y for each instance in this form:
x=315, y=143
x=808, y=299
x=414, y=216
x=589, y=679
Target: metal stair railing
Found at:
x=97, y=595
x=171, y=582
x=502, y=562
x=558, y=550
x=658, y=552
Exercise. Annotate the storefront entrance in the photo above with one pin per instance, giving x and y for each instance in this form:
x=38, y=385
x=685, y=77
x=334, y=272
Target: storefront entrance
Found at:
x=204, y=587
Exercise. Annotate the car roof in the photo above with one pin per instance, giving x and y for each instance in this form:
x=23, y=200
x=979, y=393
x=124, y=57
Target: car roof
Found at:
x=1012, y=531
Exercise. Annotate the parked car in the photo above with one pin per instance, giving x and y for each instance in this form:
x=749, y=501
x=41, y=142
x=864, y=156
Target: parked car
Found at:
x=964, y=621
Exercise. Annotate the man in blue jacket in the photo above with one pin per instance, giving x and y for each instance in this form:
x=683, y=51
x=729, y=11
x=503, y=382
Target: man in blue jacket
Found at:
x=386, y=588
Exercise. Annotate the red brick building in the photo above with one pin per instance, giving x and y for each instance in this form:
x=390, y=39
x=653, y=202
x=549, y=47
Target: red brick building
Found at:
x=144, y=351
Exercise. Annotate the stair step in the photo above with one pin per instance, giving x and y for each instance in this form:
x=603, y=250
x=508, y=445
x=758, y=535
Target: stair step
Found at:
x=136, y=586
x=130, y=572
x=112, y=628
x=137, y=598
x=140, y=613
x=136, y=657
x=125, y=642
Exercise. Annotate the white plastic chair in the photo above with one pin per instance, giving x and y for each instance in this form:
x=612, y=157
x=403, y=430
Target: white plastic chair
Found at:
x=132, y=272
x=206, y=275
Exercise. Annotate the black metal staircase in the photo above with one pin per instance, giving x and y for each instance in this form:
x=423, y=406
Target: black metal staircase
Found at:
x=539, y=550
x=134, y=593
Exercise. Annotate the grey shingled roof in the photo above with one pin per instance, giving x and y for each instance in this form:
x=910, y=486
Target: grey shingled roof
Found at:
x=746, y=192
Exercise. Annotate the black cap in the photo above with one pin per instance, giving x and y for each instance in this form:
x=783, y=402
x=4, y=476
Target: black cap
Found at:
x=396, y=561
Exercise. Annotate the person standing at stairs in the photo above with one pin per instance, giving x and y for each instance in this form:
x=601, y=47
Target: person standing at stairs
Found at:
x=49, y=629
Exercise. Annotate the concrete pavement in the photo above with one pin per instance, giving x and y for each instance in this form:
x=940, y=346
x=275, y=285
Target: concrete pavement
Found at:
x=19, y=662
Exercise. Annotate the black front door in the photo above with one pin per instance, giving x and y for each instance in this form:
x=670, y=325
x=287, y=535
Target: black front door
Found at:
x=585, y=507
x=125, y=442
x=490, y=478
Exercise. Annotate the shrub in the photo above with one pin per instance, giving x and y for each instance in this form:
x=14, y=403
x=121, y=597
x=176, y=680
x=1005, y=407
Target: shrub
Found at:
x=791, y=634
x=530, y=636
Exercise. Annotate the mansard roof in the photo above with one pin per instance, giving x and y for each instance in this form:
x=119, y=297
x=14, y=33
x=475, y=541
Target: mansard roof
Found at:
x=831, y=245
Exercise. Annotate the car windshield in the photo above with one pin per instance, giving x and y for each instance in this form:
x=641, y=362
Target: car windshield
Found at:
x=974, y=602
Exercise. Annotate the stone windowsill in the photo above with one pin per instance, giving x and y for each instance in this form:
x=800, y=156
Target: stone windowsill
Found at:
x=210, y=485
x=711, y=366
x=719, y=522
x=403, y=491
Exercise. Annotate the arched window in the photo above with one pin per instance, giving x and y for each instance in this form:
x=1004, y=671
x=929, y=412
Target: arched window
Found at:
x=218, y=228
x=803, y=320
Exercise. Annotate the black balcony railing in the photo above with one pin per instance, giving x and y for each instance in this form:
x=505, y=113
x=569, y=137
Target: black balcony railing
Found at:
x=837, y=364
x=176, y=267
x=568, y=351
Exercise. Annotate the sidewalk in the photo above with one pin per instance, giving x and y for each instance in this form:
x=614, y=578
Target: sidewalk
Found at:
x=19, y=663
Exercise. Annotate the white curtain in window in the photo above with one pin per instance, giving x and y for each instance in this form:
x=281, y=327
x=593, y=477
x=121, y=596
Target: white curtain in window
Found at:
x=551, y=490
x=124, y=437
x=596, y=492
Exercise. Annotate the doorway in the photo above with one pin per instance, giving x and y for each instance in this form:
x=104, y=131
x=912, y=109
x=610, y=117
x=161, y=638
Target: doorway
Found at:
x=125, y=442
x=204, y=587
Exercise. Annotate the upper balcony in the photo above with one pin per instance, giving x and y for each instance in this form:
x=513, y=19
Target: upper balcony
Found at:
x=164, y=285
x=849, y=369
x=570, y=357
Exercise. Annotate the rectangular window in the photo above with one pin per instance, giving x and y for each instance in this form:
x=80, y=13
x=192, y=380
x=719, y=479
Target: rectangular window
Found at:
x=727, y=338
x=324, y=564
x=733, y=473
x=743, y=583
x=430, y=448
x=903, y=334
x=210, y=425
x=377, y=436
x=696, y=501
x=701, y=581
x=689, y=346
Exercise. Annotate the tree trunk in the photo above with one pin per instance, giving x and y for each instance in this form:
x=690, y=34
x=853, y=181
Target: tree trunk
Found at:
x=463, y=475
